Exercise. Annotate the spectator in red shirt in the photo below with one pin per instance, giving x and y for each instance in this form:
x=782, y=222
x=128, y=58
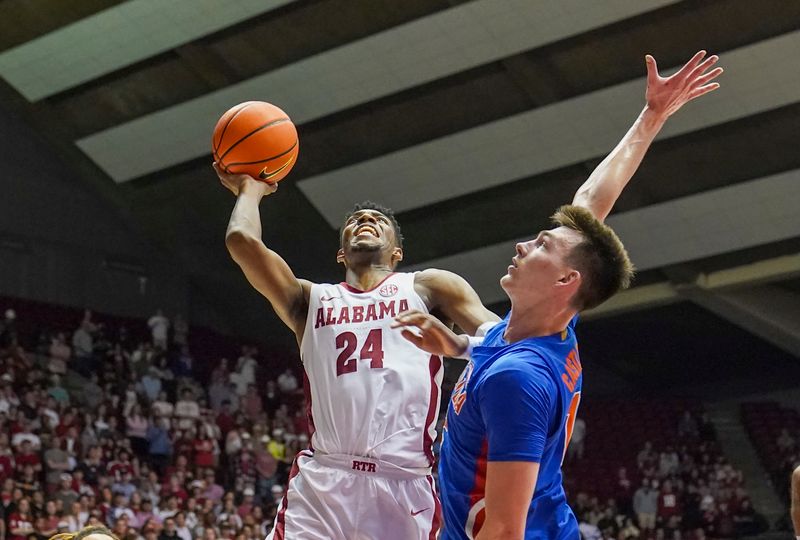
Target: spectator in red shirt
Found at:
x=204, y=450
x=20, y=522
x=49, y=524
x=623, y=491
x=225, y=419
x=668, y=502
x=122, y=465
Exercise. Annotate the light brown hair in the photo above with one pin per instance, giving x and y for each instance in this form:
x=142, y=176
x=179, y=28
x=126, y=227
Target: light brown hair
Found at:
x=600, y=257
x=83, y=533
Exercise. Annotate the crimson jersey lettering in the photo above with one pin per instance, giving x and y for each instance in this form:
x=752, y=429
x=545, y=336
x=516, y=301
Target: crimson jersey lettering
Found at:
x=373, y=393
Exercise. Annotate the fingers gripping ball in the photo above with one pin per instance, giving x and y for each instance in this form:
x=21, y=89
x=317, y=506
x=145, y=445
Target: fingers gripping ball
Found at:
x=255, y=138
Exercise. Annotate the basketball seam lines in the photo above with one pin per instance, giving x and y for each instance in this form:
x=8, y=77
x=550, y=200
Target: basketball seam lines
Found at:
x=268, y=124
x=263, y=160
x=225, y=128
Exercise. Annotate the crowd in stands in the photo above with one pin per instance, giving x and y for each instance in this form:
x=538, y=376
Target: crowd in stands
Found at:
x=103, y=424
x=99, y=426
x=681, y=488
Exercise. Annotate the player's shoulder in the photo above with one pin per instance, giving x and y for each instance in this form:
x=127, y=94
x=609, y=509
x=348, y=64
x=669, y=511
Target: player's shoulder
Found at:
x=518, y=370
x=437, y=286
x=518, y=357
x=437, y=278
x=519, y=362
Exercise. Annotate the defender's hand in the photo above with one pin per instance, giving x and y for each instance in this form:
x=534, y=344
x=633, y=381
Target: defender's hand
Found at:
x=238, y=183
x=665, y=95
x=432, y=335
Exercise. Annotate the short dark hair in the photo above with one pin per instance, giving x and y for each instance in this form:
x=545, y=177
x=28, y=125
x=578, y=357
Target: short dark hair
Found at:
x=600, y=257
x=369, y=205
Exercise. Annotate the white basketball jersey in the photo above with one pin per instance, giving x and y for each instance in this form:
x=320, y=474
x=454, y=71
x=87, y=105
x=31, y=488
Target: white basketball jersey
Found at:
x=372, y=392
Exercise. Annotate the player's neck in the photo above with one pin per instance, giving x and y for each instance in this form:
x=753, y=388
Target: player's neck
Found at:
x=536, y=320
x=367, y=277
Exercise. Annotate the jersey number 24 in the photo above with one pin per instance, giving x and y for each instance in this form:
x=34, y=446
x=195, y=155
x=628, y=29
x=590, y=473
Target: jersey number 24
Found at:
x=371, y=350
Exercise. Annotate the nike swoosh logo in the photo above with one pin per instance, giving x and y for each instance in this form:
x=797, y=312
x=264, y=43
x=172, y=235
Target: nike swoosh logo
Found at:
x=264, y=175
x=419, y=511
x=328, y=298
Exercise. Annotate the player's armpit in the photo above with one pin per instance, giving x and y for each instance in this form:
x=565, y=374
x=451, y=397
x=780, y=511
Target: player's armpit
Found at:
x=269, y=274
x=509, y=490
x=454, y=297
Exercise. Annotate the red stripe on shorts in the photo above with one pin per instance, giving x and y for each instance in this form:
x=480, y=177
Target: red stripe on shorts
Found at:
x=434, y=366
x=437, y=511
x=280, y=521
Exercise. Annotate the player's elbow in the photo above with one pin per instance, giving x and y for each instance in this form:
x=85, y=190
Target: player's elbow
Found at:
x=239, y=241
x=796, y=481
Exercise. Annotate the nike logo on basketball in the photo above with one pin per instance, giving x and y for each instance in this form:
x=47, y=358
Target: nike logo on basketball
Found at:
x=264, y=175
x=419, y=511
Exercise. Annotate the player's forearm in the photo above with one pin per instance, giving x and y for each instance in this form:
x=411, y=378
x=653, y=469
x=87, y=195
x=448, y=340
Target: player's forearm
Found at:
x=245, y=219
x=605, y=184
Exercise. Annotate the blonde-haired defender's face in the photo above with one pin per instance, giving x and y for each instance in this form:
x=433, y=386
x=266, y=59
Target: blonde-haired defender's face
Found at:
x=540, y=268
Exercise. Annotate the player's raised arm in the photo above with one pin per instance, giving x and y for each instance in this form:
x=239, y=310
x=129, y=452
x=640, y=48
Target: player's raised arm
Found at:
x=664, y=96
x=266, y=271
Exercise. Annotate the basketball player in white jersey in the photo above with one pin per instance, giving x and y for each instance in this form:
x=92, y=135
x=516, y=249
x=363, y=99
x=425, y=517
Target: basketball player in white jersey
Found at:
x=374, y=396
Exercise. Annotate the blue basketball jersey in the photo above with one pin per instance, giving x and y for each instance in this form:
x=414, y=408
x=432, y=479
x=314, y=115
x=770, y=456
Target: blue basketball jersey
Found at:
x=513, y=402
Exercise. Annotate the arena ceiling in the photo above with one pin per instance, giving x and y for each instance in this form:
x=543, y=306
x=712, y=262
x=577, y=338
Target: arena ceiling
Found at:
x=473, y=119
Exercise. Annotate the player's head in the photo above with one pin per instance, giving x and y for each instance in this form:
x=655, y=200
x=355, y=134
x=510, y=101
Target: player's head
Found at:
x=91, y=532
x=580, y=262
x=370, y=233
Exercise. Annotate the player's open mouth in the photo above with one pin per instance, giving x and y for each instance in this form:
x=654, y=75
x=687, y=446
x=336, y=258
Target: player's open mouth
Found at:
x=367, y=229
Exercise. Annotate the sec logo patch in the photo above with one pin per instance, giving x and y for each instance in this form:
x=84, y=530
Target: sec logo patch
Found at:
x=388, y=290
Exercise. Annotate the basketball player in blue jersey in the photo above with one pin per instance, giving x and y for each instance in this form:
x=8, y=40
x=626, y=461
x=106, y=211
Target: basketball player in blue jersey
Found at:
x=373, y=397
x=511, y=413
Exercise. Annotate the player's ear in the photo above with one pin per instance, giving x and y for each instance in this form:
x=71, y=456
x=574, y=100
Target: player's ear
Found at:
x=397, y=255
x=340, y=256
x=572, y=278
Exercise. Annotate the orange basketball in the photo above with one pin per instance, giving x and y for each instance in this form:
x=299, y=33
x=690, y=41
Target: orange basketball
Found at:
x=255, y=138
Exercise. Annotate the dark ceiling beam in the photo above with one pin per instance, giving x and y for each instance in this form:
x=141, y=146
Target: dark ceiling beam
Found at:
x=213, y=69
x=24, y=20
x=540, y=84
x=771, y=313
x=708, y=290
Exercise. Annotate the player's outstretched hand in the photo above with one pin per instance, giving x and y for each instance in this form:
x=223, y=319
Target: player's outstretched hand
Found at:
x=431, y=334
x=665, y=95
x=235, y=183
